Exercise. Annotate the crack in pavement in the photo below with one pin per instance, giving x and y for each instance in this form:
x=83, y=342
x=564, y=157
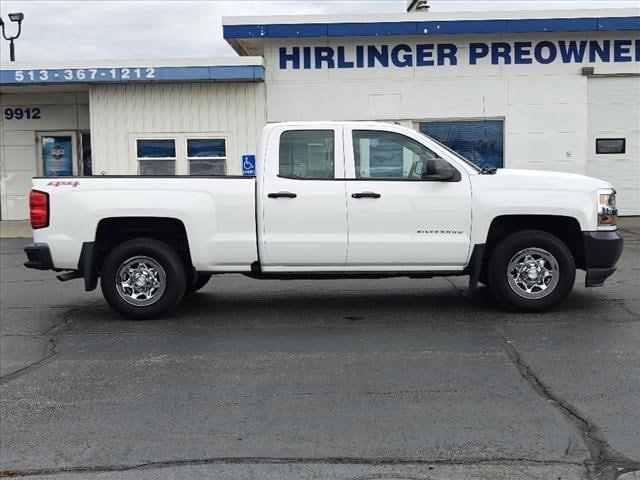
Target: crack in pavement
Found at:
x=52, y=350
x=604, y=463
x=627, y=309
x=285, y=460
x=52, y=347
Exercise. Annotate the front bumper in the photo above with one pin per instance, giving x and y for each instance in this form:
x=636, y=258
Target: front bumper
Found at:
x=602, y=250
x=38, y=256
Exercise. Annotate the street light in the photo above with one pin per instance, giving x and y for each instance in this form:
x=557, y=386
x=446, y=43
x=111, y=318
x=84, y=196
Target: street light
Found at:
x=14, y=17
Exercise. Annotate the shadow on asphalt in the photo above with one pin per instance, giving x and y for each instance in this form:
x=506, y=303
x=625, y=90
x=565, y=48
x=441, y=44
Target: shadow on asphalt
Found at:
x=333, y=306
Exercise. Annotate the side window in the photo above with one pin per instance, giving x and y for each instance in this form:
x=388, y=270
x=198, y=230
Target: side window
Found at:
x=307, y=154
x=156, y=156
x=389, y=155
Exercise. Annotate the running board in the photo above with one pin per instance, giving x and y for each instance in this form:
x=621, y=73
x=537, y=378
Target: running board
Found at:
x=66, y=276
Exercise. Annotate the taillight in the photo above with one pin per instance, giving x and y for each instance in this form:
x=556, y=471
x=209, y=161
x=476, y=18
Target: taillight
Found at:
x=39, y=209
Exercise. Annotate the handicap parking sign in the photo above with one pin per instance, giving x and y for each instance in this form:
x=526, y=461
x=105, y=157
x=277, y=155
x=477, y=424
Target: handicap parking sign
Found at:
x=249, y=165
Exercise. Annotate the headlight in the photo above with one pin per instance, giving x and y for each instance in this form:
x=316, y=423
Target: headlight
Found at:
x=607, y=211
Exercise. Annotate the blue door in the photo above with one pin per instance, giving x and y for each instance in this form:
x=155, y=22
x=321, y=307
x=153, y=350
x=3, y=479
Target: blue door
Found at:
x=481, y=141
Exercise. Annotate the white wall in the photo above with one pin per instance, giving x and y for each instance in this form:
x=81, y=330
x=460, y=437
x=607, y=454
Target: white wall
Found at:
x=235, y=110
x=544, y=106
x=614, y=112
x=18, y=149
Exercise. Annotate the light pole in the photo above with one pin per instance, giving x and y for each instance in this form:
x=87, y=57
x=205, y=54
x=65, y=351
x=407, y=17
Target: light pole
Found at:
x=14, y=17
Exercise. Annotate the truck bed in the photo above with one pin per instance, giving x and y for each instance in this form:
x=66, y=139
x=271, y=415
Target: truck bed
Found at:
x=218, y=214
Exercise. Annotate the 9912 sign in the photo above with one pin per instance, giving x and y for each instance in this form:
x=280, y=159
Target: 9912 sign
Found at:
x=22, y=113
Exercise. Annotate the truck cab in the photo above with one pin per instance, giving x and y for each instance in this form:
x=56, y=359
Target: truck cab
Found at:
x=361, y=197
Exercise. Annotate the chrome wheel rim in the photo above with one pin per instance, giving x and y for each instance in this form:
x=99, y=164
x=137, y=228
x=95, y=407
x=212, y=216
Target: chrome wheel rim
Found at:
x=533, y=273
x=141, y=281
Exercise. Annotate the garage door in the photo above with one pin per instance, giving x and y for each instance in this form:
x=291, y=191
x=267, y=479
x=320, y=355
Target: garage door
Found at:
x=613, y=151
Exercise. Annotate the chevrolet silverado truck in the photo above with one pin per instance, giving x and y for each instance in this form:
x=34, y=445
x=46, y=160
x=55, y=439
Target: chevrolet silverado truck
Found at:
x=329, y=200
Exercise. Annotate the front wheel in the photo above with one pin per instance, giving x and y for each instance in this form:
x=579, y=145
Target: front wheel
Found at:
x=143, y=279
x=531, y=271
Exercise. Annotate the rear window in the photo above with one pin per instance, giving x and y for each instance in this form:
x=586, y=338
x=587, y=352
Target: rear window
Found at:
x=307, y=154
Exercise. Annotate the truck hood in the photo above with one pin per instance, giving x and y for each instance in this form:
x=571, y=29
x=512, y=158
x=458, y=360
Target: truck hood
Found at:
x=541, y=179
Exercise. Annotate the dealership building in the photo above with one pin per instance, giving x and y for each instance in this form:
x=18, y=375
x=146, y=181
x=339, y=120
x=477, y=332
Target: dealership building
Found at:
x=554, y=90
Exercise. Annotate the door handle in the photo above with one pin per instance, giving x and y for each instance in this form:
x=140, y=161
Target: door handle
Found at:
x=366, y=195
x=282, y=195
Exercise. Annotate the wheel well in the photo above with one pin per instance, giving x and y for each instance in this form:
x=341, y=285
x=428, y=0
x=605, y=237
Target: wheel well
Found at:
x=566, y=229
x=114, y=231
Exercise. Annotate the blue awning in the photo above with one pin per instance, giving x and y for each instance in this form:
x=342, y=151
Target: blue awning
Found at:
x=130, y=74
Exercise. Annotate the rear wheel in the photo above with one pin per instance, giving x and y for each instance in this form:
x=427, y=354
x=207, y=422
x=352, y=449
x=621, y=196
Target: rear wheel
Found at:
x=143, y=279
x=531, y=271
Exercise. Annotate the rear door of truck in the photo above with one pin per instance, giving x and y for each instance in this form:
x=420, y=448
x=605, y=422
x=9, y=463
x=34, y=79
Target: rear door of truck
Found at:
x=302, y=199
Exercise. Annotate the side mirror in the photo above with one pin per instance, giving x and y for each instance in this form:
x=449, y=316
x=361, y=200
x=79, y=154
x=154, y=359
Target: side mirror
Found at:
x=440, y=170
x=432, y=169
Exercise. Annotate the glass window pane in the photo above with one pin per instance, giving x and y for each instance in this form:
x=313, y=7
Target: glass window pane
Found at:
x=390, y=155
x=481, y=141
x=148, y=148
x=206, y=147
x=610, y=145
x=307, y=154
x=157, y=167
x=207, y=167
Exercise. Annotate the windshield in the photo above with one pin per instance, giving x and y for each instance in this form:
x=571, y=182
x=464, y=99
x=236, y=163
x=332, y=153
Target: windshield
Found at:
x=454, y=153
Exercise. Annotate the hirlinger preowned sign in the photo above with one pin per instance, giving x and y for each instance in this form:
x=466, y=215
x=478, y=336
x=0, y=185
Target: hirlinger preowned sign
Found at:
x=436, y=54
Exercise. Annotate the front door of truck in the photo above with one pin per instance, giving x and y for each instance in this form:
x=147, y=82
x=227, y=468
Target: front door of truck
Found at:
x=302, y=197
x=402, y=214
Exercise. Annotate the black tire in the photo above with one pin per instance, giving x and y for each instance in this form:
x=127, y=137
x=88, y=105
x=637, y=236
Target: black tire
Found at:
x=171, y=275
x=550, y=254
x=198, y=281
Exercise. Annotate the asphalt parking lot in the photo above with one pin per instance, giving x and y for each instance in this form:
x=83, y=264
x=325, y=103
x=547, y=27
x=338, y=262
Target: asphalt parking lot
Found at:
x=366, y=379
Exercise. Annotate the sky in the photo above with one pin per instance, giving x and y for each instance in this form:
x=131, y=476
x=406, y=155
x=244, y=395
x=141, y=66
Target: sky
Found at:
x=118, y=29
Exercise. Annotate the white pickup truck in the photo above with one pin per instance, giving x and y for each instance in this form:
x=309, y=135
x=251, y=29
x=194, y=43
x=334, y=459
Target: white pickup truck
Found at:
x=329, y=200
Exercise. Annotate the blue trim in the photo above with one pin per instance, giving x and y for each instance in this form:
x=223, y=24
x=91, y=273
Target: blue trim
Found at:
x=374, y=29
x=462, y=26
x=245, y=31
x=619, y=23
x=131, y=74
x=371, y=29
x=287, y=31
x=553, y=25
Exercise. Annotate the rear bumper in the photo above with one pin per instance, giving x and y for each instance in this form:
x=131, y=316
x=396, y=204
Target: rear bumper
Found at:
x=602, y=250
x=38, y=256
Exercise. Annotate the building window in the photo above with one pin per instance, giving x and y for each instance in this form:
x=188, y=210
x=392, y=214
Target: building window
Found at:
x=86, y=153
x=156, y=156
x=207, y=156
x=481, y=141
x=307, y=154
x=610, y=145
